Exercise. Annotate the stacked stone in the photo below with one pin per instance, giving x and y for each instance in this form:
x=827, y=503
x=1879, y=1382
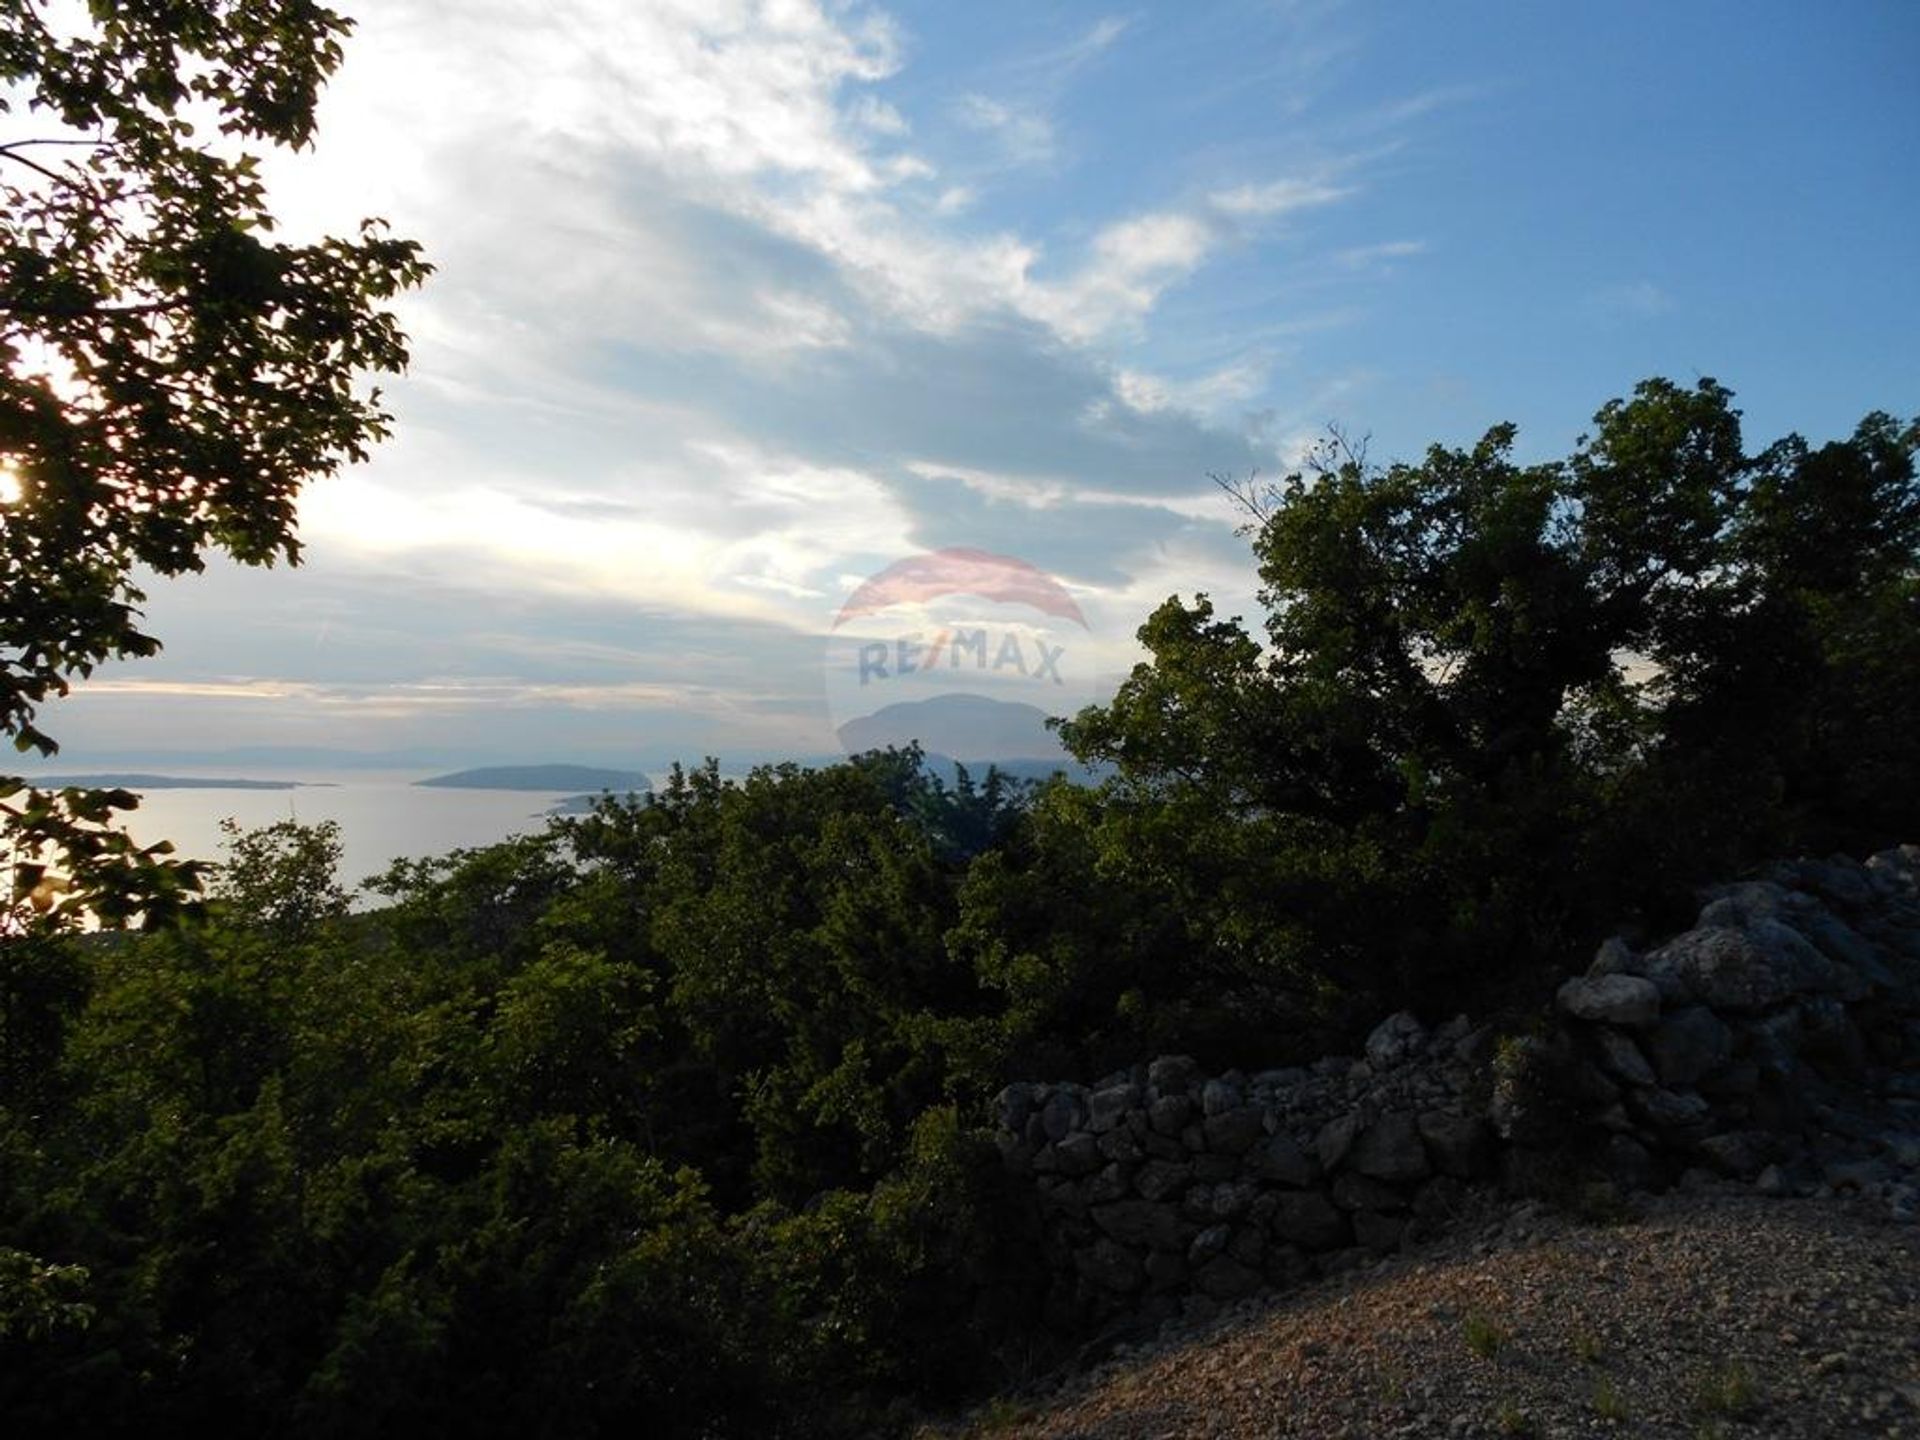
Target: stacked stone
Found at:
x=1743, y=1041
x=1161, y=1181
x=1777, y=1041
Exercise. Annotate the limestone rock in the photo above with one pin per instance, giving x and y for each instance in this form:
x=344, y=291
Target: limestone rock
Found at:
x=1279, y=1158
x=1225, y=1278
x=1233, y=1132
x=1208, y=1243
x=1336, y=1139
x=1107, y=1109
x=1214, y=1166
x=1458, y=1144
x=1308, y=1219
x=1229, y=1201
x=1143, y=1223
x=1109, y=1184
x=1670, y=1109
x=1840, y=881
x=1395, y=1040
x=1013, y=1105
x=1614, y=957
x=1060, y=1115
x=1391, y=1149
x=1808, y=971
x=1741, y=1153
x=1728, y=969
x=1620, y=1056
x=1217, y=1097
x=1689, y=1044
x=1078, y=1154
x=1168, y=1115
x=1629, y=1000
x=1858, y=966
x=1173, y=1074
x=1161, y=1179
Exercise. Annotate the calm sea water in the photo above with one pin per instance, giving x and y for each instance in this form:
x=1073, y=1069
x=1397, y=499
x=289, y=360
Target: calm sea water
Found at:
x=383, y=816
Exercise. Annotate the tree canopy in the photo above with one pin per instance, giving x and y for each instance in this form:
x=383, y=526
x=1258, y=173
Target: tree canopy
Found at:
x=171, y=374
x=1520, y=699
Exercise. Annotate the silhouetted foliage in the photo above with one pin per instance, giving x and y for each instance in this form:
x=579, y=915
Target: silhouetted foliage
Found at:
x=170, y=376
x=1497, y=706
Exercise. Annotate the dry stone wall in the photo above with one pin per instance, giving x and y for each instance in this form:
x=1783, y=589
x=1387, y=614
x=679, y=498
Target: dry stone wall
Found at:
x=1777, y=1041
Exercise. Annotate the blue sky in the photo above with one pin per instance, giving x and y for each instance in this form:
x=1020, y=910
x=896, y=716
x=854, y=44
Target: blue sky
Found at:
x=739, y=303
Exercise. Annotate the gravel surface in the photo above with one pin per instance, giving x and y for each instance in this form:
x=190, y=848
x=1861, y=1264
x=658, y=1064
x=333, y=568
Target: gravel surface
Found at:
x=1709, y=1314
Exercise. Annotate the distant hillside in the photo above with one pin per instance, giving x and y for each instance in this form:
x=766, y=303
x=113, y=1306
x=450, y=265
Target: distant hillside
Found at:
x=118, y=781
x=575, y=778
x=970, y=728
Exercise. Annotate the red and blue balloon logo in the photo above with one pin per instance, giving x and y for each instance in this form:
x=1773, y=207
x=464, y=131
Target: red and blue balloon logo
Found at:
x=963, y=651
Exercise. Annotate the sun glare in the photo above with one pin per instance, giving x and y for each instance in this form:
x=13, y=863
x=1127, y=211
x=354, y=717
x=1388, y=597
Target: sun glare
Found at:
x=10, y=487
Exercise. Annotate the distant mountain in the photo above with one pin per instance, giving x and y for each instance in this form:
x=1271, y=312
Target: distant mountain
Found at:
x=576, y=778
x=972, y=729
x=123, y=781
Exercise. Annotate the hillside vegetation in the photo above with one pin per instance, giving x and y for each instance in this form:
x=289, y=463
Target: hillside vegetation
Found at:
x=672, y=1115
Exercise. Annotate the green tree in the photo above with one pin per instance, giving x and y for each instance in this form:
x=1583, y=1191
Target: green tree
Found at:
x=1499, y=704
x=282, y=878
x=170, y=374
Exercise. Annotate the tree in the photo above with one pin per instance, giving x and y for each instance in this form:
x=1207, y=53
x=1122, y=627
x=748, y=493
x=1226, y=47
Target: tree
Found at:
x=1500, y=704
x=170, y=374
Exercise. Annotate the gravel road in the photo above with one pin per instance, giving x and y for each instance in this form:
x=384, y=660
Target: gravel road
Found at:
x=1708, y=1314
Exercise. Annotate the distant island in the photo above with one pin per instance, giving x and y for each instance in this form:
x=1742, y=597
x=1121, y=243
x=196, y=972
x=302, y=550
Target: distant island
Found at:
x=577, y=779
x=112, y=781
x=970, y=728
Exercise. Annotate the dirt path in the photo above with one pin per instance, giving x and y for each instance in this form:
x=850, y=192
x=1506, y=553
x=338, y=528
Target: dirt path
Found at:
x=1722, y=1314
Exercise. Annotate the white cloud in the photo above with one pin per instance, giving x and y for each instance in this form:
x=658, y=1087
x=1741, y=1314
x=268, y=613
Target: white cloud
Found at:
x=714, y=320
x=1207, y=395
x=1104, y=33
x=1032, y=492
x=550, y=134
x=1131, y=263
x=1275, y=197
x=1362, y=257
x=1053, y=64
x=1024, y=133
x=871, y=113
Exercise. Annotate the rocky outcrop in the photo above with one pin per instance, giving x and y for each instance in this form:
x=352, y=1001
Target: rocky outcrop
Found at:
x=1785, y=1031
x=1776, y=1041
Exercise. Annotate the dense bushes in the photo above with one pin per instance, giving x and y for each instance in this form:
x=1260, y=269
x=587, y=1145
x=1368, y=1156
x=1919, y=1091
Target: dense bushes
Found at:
x=648, y=1119
x=666, y=1116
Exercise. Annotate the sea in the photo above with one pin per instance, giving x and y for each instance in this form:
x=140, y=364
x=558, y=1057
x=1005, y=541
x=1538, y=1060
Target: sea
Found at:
x=383, y=815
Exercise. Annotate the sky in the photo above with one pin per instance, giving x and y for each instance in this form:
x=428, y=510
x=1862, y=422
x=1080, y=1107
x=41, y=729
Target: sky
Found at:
x=740, y=304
